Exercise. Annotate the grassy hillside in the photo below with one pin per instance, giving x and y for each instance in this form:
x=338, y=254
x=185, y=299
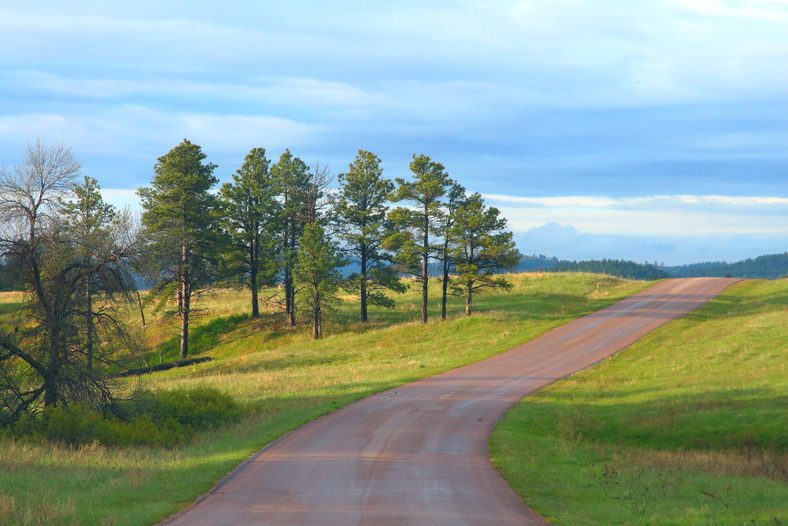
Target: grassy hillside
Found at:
x=687, y=427
x=284, y=379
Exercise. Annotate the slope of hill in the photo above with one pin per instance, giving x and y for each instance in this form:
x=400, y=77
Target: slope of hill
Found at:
x=283, y=379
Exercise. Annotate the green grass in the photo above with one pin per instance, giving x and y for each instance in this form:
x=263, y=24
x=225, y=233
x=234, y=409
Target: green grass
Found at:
x=687, y=427
x=10, y=312
x=284, y=379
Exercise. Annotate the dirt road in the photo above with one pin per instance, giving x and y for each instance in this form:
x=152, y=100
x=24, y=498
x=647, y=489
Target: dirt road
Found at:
x=417, y=454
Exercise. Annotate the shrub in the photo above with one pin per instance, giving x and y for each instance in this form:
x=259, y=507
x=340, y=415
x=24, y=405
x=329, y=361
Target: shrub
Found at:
x=198, y=408
x=163, y=419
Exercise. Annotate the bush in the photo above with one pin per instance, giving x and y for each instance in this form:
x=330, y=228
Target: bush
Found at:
x=163, y=419
x=198, y=408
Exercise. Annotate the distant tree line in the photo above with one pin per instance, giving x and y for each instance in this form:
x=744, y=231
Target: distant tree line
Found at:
x=613, y=267
x=766, y=267
x=274, y=225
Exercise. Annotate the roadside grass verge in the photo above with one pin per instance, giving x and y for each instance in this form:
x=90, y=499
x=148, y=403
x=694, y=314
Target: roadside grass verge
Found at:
x=283, y=379
x=686, y=427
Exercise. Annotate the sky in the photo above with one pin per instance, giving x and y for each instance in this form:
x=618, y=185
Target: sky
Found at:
x=649, y=130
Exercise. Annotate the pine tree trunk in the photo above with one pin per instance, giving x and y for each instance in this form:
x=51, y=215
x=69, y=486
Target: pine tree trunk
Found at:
x=185, y=327
x=291, y=317
x=469, y=300
x=425, y=256
x=255, y=301
x=317, y=329
x=185, y=296
x=287, y=292
x=445, y=284
x=363, y=287
x=293, y=242
x=180, y=289
x=424, y=289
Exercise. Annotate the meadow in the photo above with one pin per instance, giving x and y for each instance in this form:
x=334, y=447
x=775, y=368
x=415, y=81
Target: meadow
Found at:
x=686, y=427
x=282, y=378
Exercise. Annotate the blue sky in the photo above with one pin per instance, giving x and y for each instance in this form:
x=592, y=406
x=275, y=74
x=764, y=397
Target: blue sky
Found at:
x=646, y=129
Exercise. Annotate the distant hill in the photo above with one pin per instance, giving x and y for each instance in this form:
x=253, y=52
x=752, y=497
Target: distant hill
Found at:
x=769, y=266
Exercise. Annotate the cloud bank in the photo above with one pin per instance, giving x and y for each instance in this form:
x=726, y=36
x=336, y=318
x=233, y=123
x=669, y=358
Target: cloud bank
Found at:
x=572, y=101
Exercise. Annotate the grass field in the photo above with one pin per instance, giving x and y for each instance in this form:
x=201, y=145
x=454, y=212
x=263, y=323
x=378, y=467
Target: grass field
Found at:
x=687, y=427
x=284, y=379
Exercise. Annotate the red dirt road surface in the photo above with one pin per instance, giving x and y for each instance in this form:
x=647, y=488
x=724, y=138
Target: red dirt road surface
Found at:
x=417, y=455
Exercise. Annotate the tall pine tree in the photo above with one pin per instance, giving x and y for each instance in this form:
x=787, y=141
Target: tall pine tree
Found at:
x=420, y=222
x=484, y=249
x=179, y=219
x=249, y=218
x=292, y=179
x=455, y=197
x=361, y=212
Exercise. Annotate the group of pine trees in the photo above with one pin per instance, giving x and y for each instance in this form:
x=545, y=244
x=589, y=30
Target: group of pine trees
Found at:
x=278, y=223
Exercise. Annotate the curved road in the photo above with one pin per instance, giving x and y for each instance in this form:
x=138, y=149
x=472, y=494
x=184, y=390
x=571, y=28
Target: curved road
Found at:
x=417, y=454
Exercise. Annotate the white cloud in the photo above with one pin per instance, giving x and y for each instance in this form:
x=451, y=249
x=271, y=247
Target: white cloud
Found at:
x=119, y=129
x=658, y=215
x=763, y=9
x=256, y=90
x=557, y=96
x=606, y=202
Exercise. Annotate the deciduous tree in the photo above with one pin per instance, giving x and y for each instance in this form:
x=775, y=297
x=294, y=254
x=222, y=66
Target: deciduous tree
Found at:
x=45, y=360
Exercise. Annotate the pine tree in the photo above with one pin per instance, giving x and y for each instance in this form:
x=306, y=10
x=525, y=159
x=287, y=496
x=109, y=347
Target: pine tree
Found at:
x=90, y=220
x=180, y=225
x=249, y=218
x=316, y=274
x=454, y=198
x=360, y=210
x=483, y=249
x=413, y=242
x=292, y=182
